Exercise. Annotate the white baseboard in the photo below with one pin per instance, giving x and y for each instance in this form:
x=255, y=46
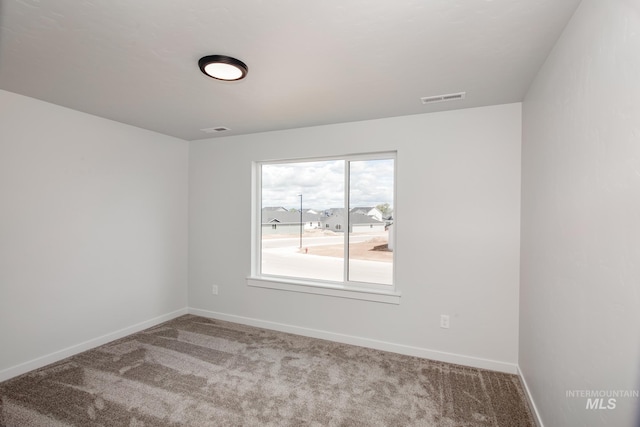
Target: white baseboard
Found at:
x=532, y=404
x=56, y=356
x=364, y=342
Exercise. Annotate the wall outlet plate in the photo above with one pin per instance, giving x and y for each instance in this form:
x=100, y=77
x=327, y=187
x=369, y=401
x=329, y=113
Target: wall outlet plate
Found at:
x=444, y=321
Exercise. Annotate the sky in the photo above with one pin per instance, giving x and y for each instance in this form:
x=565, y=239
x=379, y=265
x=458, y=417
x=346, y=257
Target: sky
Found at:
x=321, y=184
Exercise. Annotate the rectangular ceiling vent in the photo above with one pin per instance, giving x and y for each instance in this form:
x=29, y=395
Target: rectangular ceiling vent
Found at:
x=443, y=98
x=215, y=129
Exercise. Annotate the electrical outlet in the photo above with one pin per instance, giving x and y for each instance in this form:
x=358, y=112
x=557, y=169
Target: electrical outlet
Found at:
x=444, y=321
x=214, y=289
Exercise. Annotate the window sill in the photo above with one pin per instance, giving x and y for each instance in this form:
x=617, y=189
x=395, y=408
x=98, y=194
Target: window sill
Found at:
x=326, y=288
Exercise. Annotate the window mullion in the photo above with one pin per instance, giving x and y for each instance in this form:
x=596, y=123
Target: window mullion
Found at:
x=257, y=222
x=345, y=225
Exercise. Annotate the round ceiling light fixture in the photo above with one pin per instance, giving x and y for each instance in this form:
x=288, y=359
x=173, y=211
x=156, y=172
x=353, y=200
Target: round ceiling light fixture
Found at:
x=222, y=67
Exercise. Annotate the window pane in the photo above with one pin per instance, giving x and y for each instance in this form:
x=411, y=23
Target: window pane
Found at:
x=310, y=246
x=371, y=221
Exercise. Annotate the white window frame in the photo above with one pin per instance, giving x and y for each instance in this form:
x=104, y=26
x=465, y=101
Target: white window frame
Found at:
x=346, y=289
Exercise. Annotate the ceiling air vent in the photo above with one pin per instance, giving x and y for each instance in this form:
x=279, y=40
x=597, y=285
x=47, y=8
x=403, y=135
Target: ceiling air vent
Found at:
x=215, y=129
x=443, y=98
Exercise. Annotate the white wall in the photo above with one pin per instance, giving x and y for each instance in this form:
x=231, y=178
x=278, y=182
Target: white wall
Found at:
x=458, y=210
x=580, y=292
x=93, y=229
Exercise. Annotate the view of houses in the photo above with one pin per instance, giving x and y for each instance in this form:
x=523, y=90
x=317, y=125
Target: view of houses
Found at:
x=311, y=244
x=279, y=220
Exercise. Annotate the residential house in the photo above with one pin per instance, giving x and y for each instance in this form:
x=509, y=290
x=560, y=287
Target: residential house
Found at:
x=358, y=223
x=367, y=210
x=288, y=222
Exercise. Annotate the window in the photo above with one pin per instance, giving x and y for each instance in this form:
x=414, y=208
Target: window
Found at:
x=352, y=201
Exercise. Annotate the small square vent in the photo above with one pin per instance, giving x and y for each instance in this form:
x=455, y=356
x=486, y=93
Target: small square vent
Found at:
x=215, y=129
x=443, y=98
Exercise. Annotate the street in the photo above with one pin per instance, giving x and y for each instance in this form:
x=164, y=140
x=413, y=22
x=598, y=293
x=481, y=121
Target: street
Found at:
x=282, y=257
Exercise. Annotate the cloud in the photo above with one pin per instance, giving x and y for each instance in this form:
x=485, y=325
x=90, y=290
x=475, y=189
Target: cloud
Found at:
x=371, y=182
x=321, y=183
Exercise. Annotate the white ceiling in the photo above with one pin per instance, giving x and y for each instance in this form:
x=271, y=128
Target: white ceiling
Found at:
x=310, y=62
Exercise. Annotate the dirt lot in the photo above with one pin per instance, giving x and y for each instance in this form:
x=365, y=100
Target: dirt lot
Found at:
x=362, y=251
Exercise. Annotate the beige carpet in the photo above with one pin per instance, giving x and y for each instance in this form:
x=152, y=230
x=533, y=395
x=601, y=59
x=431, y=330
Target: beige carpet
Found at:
x=194, y=371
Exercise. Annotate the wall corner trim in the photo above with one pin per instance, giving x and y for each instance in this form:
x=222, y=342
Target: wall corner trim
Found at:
x=529, y=397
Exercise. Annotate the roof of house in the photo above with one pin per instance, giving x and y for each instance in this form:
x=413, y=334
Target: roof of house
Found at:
x=354, y=218
x=362, y=208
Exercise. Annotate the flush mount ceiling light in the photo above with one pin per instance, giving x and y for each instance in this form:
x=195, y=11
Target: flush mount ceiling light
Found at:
x=223, y=67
